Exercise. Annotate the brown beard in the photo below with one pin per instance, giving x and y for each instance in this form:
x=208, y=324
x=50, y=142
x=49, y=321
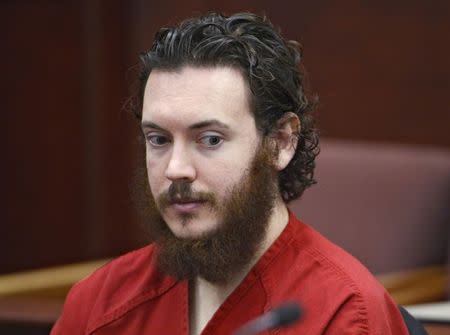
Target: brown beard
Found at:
x=218, y=255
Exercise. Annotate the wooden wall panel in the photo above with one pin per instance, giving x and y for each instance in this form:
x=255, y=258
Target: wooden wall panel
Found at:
x=380, y=70
x=42, y=189
x=110, y=131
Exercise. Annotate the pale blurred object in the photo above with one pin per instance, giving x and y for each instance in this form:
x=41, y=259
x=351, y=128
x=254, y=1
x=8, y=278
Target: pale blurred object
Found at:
x=437, y=312
x=435, y=317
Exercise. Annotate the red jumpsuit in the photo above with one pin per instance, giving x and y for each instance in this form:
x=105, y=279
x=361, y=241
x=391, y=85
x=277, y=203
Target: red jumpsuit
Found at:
x=338, y=294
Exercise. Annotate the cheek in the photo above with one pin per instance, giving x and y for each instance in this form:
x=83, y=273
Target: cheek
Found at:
x=222, y=176
x=155, y=176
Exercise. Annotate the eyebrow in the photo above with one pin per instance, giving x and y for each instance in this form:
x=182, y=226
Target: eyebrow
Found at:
x=149, y=124
x=198, y=125
x=209, y=123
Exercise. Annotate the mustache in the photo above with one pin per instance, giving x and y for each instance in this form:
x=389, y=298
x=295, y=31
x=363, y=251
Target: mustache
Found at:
x=181, y=192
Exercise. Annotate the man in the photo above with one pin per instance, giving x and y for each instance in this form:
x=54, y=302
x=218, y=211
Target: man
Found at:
x=228, y=142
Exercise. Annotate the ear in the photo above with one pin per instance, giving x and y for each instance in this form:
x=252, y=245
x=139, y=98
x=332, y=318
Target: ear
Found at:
x=286, y=137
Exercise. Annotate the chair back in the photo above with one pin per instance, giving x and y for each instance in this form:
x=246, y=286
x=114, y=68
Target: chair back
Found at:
x=386, y=204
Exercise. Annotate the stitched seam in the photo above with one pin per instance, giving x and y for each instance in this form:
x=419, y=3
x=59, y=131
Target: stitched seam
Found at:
x=362, y=313
x=126, y=307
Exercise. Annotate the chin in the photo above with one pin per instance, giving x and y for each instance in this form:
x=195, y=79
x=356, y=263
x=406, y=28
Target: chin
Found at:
x=191, y=229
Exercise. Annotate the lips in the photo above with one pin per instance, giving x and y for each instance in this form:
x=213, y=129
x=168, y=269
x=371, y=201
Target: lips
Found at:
x=186, y=206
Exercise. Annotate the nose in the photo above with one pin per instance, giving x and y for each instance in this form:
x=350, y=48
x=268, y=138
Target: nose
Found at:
x=180, y=165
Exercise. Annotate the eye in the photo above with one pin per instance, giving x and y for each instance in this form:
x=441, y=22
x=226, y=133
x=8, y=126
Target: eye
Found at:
x=157, y=140
x=211, y=141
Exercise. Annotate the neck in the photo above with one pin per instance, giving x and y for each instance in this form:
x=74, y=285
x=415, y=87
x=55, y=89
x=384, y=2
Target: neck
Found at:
x=277, y=222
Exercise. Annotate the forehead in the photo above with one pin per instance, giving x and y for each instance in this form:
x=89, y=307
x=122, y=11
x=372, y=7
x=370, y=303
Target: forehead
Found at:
x=194, y=94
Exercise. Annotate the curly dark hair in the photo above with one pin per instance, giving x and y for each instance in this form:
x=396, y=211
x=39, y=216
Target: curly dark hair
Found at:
x=269, y=63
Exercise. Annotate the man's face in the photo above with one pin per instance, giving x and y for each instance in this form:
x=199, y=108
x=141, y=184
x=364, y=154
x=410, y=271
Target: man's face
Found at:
x=201, y=139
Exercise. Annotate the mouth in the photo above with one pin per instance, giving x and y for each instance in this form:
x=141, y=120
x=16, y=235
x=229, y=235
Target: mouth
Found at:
x=186, y=205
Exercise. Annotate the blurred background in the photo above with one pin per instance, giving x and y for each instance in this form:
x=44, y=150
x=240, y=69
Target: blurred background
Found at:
x=381, y=70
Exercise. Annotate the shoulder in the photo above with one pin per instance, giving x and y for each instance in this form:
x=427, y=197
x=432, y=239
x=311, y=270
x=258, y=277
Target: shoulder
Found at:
x=321, y=258
x=114, y=288
x=337, y=291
